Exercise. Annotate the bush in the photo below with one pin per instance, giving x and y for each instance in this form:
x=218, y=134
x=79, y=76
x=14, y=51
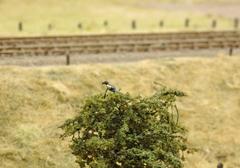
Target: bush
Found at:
x=125, y=131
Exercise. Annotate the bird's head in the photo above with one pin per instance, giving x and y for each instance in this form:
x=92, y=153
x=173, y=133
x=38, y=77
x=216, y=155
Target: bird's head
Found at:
x=105, y=82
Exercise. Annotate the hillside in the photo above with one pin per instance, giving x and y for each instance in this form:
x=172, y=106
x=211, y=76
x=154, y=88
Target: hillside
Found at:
x=51, y=17
x=35, y=101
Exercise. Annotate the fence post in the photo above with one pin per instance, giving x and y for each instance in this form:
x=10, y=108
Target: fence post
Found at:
x=134, y=25
x=231, y=51
x=236, y=23
x=161, y=23
x=20, y=26
x=187, y=22
x=79, y=25
x=214, y=23
x=50, y=26
x=67, y=59
x=105, y=23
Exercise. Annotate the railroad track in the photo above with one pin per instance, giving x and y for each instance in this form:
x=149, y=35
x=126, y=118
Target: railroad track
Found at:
x=118, y=43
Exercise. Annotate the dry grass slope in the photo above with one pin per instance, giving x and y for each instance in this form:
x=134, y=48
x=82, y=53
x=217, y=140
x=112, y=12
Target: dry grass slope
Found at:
x=35, y=101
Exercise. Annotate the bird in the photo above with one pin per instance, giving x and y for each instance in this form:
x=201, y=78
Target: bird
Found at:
x=109, y=87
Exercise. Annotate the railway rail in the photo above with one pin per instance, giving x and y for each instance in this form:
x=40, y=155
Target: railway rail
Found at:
x=118, y=43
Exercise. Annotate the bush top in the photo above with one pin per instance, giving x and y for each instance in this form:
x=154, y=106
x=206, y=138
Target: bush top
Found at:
x=124, y=131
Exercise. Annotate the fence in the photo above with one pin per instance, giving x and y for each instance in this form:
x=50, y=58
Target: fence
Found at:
x=119, y=43
x=213, y=24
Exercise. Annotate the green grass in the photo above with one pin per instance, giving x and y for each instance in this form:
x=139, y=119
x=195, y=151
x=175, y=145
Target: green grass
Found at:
x=65, y=16
x=35, y=101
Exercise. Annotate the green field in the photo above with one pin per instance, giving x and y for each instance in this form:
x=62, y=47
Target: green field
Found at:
x=35, y=101
x=64, y=16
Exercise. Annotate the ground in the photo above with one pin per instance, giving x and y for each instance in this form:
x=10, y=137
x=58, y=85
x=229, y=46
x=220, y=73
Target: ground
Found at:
x=34, y=101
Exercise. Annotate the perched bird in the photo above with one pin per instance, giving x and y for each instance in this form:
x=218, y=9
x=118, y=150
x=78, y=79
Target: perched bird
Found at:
x=109, y=87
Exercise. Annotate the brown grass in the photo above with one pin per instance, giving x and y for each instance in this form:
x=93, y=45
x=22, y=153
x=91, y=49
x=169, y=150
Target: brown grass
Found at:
x=35, y=101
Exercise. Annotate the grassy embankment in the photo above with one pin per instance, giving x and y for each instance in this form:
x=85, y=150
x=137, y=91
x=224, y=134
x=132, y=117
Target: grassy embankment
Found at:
x=35, y=101
x=64, y=16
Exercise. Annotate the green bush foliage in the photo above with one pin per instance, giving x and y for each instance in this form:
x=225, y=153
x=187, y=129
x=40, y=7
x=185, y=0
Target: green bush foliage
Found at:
x=130, y=132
